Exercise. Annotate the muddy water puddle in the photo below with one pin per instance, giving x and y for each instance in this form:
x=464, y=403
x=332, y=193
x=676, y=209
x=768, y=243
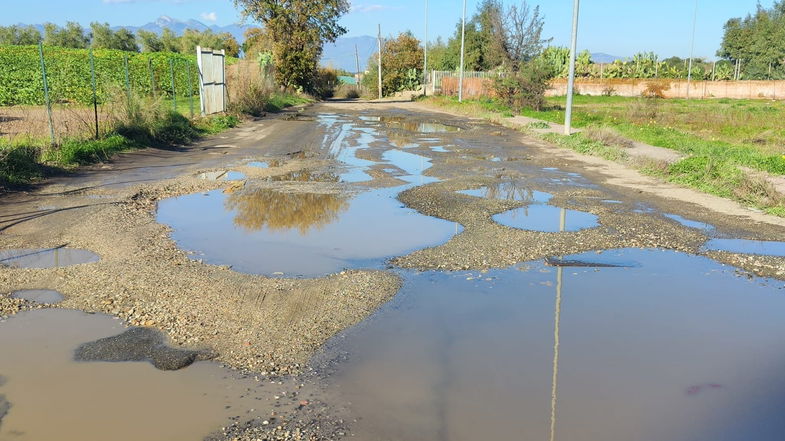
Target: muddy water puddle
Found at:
x=53, y=397
x=43, y=296
x=671, y=347
x=264, y=231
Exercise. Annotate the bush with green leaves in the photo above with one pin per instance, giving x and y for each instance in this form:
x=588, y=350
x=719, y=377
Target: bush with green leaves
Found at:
x=525, y=88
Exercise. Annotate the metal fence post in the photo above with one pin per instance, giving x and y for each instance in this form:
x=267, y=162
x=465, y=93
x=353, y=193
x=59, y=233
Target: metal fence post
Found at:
x=46, y=94
x=190, y=91
x=174, y=91
x=95, y=97
x=127, y=82
x=152, y=76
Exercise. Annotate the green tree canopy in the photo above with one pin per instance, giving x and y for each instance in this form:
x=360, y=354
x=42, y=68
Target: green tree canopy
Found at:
x=298, y=30
x=72, y=35
x=19, y=35
x=757, y=41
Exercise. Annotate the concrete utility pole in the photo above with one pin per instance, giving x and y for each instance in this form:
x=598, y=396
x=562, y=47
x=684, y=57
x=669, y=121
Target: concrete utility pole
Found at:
x=692, y=48
x=425, y=61
x=463, y=38
x=380, y=61
x=571, y=81
x=357, y=61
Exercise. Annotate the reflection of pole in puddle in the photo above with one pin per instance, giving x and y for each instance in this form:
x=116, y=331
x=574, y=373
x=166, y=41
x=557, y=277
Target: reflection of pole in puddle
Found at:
x=556, y=320
x=57, y=258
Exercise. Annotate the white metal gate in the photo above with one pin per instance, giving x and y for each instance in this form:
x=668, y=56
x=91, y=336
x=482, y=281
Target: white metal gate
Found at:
x=212, y=80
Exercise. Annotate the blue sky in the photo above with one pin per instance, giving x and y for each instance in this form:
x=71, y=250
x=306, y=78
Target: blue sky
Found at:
x=618, y=27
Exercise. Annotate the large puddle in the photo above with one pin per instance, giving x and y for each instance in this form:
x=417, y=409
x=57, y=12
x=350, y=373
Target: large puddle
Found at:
x=264, y=231
x=674, y=348
x=53, y=397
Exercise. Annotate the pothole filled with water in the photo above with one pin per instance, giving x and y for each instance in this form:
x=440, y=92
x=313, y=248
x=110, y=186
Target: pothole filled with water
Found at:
x=222, y=175
x=396, y=122
x=52, y=397
x=744, y=246
x=546, y=218
x=509, y=191
x=264, y=231
x=46, y=257
x=676, y=347
x=42, y=296
x=690, y=223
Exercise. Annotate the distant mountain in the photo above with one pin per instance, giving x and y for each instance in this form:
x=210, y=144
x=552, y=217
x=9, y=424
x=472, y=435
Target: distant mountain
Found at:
x=178, y=27
x=600, y=57
x=341, y=54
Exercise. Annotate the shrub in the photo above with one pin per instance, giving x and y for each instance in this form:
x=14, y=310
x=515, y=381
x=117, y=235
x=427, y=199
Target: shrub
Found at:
x=656, y=89
x=325, y=82
x=524, y=88
x=251, y=100
x=18, y=164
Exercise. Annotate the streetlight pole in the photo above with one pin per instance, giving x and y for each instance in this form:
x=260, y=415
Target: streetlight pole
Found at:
x=425, y=60
x=380, y=61
x=463, y=38
x=571, y=80
x=692, y=48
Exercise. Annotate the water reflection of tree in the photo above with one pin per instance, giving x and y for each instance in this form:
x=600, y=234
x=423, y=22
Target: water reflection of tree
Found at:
x=259, y=208
x=511, y=191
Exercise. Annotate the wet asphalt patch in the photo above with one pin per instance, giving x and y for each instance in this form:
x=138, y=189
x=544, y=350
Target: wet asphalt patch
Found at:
x=137, y=344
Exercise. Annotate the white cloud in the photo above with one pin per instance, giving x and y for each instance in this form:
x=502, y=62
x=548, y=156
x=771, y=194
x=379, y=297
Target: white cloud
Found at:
x=209, y=16
x=359, y=7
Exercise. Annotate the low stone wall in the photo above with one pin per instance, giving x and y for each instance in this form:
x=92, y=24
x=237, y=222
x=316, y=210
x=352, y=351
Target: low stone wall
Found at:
x=476, y=87
x=675, y=88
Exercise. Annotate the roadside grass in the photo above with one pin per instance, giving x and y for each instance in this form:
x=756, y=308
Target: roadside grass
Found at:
x=719, y=137
x=26, y=159
x=279, y=101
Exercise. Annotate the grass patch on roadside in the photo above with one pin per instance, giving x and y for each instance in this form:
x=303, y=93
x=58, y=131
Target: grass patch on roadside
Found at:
x=23, y=161
x=279, y=101
x=582, y=144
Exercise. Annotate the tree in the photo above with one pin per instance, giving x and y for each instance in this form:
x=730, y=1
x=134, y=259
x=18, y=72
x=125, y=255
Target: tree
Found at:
x=170, y=42
x=103, y=37
x=498, y=37
x=150, y=41
x=757, y=41
x=257, y=41
x=19, y=35
x=298, y=29
x=230, y=45
x=402, y=62
x=72, y=35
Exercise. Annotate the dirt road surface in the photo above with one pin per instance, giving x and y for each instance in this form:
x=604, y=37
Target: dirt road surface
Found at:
x=266, y=322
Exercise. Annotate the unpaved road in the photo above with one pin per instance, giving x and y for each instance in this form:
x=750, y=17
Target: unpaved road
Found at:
x=272, y=325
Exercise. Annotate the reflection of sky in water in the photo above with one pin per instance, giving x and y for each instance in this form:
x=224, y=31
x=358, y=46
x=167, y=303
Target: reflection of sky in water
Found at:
x=265, y=231
x=690, y=223
x=510, y=191
x=634, y=360
x=743, y=246
x=545, y=218
x=46, y=257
